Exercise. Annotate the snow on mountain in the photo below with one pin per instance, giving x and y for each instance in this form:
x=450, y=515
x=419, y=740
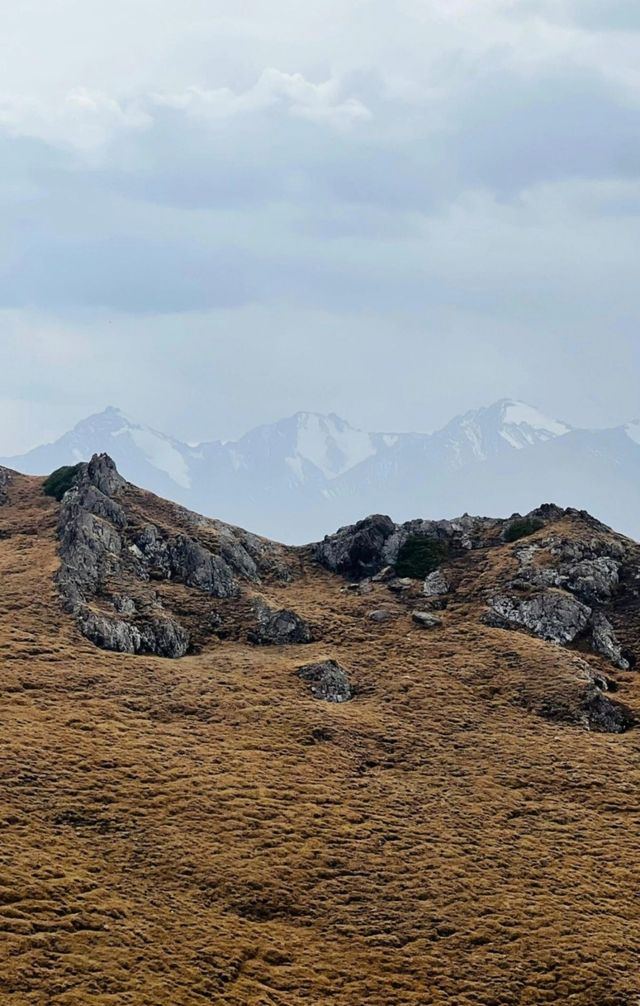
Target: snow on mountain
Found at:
x=633, y=431
x=483, y=433
x=305, y=475
x=145, y=454
x=326, y=443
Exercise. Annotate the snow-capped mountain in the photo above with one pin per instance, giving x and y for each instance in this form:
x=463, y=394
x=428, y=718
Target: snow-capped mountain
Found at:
x=303, y=476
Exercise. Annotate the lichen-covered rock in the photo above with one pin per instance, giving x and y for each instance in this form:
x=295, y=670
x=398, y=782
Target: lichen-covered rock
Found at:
x=278, y=627
x=425, y=619
x=327, y=680
x=592, y=580
x=604, y=641
x=552, y=615
x=435, y=584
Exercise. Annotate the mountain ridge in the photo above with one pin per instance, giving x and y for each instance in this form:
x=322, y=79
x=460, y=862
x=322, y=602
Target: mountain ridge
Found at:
x=301, y=476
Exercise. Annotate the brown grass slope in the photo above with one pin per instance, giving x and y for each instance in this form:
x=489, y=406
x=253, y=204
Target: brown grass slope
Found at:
x=178, y=832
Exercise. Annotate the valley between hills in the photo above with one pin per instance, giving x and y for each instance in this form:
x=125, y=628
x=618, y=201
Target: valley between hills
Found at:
x=399, y=767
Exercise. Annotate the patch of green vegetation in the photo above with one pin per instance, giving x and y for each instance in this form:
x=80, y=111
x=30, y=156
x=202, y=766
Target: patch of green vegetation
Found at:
x=419, y=556
x=522, y=528
x=60, y=481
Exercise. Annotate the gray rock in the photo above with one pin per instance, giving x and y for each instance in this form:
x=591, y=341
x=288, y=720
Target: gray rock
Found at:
x=593, y=580
x=435, y=584
x=327, y=681
x=197, y=567
x=604, y=642
x=426, y=620
x=124, y=605
x=102, y=473
x=552, y=615
x=279, y=627
x=161, y=637
x=400, y=584
x=386, y=573
x=356, y=551
x=382, y=615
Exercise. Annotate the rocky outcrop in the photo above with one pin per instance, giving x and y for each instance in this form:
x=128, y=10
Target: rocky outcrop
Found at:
x=5, y=479
x=102, y=547
x=588, y=705
x=600, y=713
x=552, y=615
x=357, y=550
x=278, y=627
x=163, y=637
x=183, y=559
x=594, y=581
x=327, y=681
x=605, y=643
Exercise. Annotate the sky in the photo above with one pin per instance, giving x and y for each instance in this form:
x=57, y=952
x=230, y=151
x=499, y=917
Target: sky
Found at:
x=215, y=213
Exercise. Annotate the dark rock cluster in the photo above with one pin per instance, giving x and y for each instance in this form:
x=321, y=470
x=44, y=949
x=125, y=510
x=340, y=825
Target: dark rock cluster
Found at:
x=327, y=681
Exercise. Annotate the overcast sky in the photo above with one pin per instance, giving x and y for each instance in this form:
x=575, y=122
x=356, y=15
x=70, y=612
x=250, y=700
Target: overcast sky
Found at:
x=216, y=213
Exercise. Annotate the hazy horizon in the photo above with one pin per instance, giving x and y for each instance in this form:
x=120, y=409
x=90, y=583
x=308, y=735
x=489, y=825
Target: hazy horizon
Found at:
x=211, y=435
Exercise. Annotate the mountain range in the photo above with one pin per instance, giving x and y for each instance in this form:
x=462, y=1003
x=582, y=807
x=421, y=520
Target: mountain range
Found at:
x=300, y=477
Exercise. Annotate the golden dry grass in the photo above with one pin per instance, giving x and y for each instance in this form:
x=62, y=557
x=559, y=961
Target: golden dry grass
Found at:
x=202, y=831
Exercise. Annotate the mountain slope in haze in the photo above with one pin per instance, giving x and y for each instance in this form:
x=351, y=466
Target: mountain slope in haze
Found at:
x=298, y=478
x=461, y=828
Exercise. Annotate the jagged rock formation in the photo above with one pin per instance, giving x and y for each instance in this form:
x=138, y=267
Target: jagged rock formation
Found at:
x=327, y=681
x=109, y=551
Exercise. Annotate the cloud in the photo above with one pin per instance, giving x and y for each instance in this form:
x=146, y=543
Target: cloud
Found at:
x=443, y=188
x=322, y=102
x=83, y=119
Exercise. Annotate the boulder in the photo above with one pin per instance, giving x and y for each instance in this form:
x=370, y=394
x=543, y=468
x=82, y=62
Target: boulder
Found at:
x=356, y=551
x=400, y=584
x=552, y=615
x=426, y=620
x=435, y=584
x=278, y=627
x=327, y=681
x=381, y=615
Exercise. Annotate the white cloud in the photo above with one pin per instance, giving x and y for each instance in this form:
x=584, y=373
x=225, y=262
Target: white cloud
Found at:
x=82, y=119
x=298, y=96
